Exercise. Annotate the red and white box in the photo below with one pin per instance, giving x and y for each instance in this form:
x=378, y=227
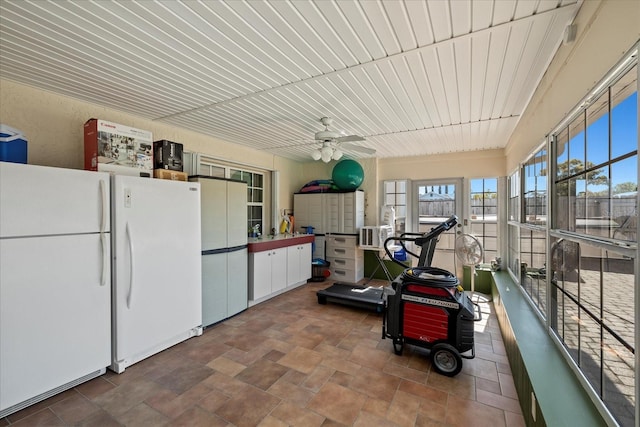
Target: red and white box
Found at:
x=120, y=149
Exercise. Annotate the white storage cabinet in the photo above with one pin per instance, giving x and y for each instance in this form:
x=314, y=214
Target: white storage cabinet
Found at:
x=267, y=272
x=346, y=258
x=298, y=264
x=330, y=212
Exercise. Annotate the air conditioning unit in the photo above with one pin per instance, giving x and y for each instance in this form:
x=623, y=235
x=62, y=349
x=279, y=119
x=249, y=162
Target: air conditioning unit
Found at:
x=374, y=237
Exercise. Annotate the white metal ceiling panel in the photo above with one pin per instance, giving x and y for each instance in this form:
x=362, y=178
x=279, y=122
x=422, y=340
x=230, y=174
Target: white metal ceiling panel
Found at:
x=435, y=80
x=420, y=22
x=356, y=16
x=327, y=32
x=440, y=13
x=463, y=70
x=381, y=26
x=307, y=34
x=461, y=14
x=399, y=19
x=447, y=61
x=503, y=11
x=410, y=89
x=414, y=77
x=345, y=30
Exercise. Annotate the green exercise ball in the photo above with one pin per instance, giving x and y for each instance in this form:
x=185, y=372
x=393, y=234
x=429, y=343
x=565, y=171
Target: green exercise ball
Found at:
x=347, y=174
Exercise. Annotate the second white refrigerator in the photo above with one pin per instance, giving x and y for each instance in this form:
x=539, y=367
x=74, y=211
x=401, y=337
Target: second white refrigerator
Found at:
x=156, y=269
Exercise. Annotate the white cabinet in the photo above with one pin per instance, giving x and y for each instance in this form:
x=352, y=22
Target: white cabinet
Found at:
x=224, y=247
x=267, y=272
x=330, y=212
x=309, y=210
x=278, y=265
x=346, y=258
x=298, y=264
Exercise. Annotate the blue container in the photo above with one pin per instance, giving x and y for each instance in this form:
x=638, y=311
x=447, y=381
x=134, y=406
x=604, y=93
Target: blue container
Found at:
x=400, y=255
x=13, y=145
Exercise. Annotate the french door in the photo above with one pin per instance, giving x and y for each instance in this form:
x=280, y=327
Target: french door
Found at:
x=433, y=202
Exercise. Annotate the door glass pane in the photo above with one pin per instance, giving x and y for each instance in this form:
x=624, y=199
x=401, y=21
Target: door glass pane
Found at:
x=436, y=202
x=395, y=195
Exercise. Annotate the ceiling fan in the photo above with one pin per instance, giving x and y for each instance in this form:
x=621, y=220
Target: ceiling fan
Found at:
x=332, y=141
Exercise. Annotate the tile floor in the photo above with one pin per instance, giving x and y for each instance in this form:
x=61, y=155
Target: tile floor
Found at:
x=292, y=361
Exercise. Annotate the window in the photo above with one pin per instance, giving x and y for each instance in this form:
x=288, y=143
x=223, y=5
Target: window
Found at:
x=592, y=294
x=514, y=196
x=594, y=241
x=255, y=192
x=483, y=208
x=596, y=179
x=533, y=274
x=395, y=194
x=535, y=189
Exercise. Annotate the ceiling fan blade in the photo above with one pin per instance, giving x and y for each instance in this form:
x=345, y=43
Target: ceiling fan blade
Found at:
x=350, y=138
x=359, y=148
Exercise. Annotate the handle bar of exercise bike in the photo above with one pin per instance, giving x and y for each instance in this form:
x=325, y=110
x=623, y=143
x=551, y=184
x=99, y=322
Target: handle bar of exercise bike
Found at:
x=419, y=238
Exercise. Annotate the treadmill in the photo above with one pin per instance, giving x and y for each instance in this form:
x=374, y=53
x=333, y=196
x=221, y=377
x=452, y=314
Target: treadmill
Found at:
x=370, y=297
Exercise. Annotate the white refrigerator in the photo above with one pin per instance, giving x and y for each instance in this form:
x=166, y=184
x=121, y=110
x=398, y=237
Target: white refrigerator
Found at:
x=157, y=294
x=55, y=288
x=225, y=283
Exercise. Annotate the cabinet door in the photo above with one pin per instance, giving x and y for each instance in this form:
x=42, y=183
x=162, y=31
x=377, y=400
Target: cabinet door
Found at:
x=308, y=209
x=278, y=269
x=260, y=274
x=333, y=213
x=237, y=214
x=352, y=210
x=214, y=213
x=293, y=265
x=298, y=263
x=237, y=290
x=305, y=261
x=214, y=288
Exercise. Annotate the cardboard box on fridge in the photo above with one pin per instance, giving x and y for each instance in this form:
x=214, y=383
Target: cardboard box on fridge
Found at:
x=111, y=147
x=170, y=174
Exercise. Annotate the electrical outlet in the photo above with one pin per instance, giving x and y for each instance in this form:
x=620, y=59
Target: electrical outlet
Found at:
x=533, y=406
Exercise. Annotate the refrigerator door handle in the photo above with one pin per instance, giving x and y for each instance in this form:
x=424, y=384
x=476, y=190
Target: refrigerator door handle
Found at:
x=105, y=259
x=130, y=241
x=103, y=239
x=105, y=206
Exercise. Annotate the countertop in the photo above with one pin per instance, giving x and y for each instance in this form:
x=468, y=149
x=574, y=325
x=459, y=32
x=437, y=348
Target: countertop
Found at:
x=266, y=243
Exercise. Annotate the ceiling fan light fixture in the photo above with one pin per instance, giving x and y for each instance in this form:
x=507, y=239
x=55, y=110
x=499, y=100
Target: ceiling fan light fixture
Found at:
x=315, y=155
x=337, y=154
x=326, y=154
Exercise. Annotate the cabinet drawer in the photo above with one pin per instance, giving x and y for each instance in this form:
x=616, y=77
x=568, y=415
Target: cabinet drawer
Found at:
x=346, y=275
x=349, y=242
x=346, y=263
x=341, y=252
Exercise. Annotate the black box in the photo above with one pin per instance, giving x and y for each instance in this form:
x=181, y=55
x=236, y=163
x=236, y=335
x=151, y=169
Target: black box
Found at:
x=167, y=155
